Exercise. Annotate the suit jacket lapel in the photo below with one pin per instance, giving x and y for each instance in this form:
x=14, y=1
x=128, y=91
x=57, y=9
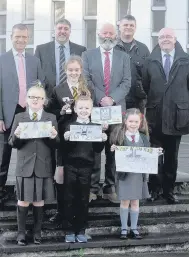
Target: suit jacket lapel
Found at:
x=12, y=66
x=52, y=56
x=115, y=61
x=99, y=63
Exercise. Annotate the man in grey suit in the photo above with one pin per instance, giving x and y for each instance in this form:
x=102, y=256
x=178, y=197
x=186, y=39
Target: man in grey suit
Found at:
x=108, y=72
x=18, y=70
x=50, y=54
x=53, y=56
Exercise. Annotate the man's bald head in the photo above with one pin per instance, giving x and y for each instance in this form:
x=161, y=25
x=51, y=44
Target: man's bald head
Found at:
x=107, y=36
x=167, y=39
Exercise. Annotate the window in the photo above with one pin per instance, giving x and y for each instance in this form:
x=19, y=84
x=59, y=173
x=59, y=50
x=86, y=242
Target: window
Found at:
x=29, y=10
x=158, y=20
x=124, y=8
x=2, y=46
x=59, y=10
x=91, y=33
x=90, y=23
x=158, y=2
x=31, y=33
x=91, y=7
x=3, y=5
x=154, y=41
x=2, y=24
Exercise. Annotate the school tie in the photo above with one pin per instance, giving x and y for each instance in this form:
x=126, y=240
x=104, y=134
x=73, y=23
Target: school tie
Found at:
x=62, y=74
x=133, y=138
x=21, y=81
x=75, y=94
x=107, y=73
x=34, y=116
x=167, y=65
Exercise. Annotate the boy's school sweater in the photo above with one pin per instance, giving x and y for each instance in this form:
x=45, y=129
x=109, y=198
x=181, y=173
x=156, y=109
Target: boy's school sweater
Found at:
x=80, y=154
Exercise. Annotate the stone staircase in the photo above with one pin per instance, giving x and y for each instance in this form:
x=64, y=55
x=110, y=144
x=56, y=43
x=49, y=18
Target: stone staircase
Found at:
x=165, y=230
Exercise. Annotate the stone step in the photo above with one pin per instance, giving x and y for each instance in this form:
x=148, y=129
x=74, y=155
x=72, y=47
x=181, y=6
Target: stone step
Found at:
x=98, y=244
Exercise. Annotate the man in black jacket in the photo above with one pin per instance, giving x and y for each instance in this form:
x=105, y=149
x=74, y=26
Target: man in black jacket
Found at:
x=138, y=52
x=166, y=83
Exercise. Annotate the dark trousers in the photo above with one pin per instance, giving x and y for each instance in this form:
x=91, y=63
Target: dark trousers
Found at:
x=6, y=150
x=109, y=183
x=140, y=104
x=76, y=197
x=168, y=163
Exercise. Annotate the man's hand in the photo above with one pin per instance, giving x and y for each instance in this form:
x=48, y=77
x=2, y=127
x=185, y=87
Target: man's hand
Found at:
x=106, y=101
x=2, y=126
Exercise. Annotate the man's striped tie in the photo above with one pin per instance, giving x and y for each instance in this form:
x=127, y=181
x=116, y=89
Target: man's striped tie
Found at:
x=74, y=92
x=62, y=75
x=34, y=116
x=107, y=73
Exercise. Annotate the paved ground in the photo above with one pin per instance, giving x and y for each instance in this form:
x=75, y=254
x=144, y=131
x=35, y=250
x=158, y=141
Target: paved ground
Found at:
x=183, y=169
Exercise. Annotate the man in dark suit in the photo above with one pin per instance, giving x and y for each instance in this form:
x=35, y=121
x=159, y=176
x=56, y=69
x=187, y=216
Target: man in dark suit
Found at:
x=138, y=52
x=166, y=83
x=107, y=71
x=18, y=70
x=50, y=54
x=53, y=56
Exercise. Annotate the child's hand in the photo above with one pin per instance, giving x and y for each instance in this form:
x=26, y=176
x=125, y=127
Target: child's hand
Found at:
x=17, y=132
x=104, y=137
x=113, y=147
x=160, y=151
x=53, y=133
x=105, y=126
x=67, y=135
x=64, y=108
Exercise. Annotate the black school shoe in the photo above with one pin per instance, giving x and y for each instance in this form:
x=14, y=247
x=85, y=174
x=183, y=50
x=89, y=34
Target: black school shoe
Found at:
x=123, y=234
x=135, y=234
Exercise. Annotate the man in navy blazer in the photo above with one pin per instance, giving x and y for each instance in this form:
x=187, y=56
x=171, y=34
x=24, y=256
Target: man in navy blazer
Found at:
x=18, y=70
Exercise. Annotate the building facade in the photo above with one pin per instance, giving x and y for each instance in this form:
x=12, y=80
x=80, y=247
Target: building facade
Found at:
x=86, y=17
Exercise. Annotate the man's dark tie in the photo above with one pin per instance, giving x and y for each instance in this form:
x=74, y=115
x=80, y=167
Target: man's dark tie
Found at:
x=62, y=74
x=167, y=65
x=133, y=138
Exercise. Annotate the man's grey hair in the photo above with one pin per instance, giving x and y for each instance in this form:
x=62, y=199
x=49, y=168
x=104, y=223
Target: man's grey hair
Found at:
x=63, y=21
x=128, y=17
x=19, y=26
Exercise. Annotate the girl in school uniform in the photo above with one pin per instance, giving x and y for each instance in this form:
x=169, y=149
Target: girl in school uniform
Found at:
x=131, y=187
x=34, y=182
x=70, y=89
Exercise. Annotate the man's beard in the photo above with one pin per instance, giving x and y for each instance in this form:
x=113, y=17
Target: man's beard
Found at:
x=107, y=43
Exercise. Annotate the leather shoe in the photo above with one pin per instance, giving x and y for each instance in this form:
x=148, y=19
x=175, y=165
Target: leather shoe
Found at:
x=123, y=234
x=154, y=196
x=171, y=198
x=112, y=197
x=21, y=242
x=37, y=241
x=56, y=218
x=135, y=234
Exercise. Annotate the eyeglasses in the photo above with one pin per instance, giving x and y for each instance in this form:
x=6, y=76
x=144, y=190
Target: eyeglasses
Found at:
x=165, y=37
x=35, y=98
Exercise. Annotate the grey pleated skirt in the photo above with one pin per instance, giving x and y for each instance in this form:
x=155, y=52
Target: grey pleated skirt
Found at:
x=132, y=187
x=35, y=189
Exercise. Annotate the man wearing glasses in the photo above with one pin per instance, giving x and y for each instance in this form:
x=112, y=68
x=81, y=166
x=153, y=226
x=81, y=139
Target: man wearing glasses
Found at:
x=166, y=83
x=18, y=70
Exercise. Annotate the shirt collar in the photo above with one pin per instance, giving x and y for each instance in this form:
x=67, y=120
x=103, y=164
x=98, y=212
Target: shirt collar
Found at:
x=83, y=121
x=102, y=50
x=66, y=45
x=172, y=53
x=70, y=86
x=15, y=53
x=39, y=113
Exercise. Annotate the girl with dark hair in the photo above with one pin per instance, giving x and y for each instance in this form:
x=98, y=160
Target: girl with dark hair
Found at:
x=131, y=187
